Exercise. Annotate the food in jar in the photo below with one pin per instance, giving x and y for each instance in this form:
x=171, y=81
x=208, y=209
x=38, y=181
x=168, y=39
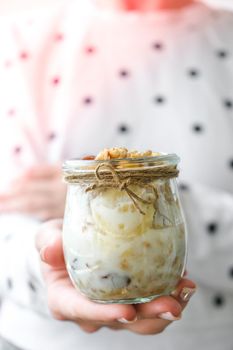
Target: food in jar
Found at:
x=119, y=249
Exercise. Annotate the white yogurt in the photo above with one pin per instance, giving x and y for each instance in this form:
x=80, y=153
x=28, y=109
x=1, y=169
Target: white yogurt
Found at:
x=116, y=254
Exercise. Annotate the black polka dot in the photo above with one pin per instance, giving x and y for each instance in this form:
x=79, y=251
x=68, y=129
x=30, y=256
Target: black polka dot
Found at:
x=24, y=55
x=218, y=300
x=228, y=103
x=8, y=63
x=11, y=112
x=90, y=50
x=88, y=101
x=231, y=272
x=158, y=46
x=212, y=228
x=59, y=37
x=183, y=187
x=159, y=100
x=231, y=163
x=197, y=128
x=123, y=128
x=193, y=73
x=9, y=283
x=222, y=53
x=31, y=286
x=51, y=136
x=124, y=73
x=17, y=150
x=56, y=81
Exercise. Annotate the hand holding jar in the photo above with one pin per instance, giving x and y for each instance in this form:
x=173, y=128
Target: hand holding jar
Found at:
x=124, y=234
x=124, y=242
x=66, y=303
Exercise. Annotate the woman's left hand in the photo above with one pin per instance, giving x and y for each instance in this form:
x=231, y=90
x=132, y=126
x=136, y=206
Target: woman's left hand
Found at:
x=66, y=303
x=39, y=192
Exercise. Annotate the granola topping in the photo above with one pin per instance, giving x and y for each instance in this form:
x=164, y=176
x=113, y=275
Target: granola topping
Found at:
x=121, y=153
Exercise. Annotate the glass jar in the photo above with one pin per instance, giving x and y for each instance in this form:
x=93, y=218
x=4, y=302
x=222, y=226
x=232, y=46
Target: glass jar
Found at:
x=124, y=235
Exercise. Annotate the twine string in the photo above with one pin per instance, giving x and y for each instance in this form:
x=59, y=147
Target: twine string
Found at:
x=122, y=184
x=106, y=176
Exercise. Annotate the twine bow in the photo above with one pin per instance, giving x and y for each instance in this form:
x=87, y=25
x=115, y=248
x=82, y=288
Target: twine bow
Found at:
x=121, y=183
x=106, y=176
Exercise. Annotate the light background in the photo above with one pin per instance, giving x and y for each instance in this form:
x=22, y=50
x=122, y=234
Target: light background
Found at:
x=7, y=6
x=221, y=3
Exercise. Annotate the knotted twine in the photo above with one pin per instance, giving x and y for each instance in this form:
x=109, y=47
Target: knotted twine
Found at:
x=106, y=176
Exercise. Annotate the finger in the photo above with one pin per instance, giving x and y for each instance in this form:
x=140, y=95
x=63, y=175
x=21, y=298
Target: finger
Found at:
x=184, y=291
x=38, y=205
x=49, y=244
x=148, y=327
x=24, y=204
x=144, y=327
x=43, y=205
x=165, y=307
x=31, y=187
x=169, y=308
x=55, y=224
x=64, y=300
x=89, y=327
x=43, y=171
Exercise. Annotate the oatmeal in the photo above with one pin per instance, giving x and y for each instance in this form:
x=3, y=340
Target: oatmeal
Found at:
x=124, y=240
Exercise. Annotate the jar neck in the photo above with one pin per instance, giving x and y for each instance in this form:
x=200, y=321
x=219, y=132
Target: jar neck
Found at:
x=162, y=165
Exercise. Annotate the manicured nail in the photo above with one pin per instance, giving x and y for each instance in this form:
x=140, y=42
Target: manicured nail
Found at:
x=123, y=320
x=43, y=249
x=175, y=293
x=42, y=254
x=168, y=316
x=187, y=293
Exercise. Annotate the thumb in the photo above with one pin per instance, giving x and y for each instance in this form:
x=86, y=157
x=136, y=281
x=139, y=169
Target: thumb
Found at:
x=43, y=171
x=49, y=244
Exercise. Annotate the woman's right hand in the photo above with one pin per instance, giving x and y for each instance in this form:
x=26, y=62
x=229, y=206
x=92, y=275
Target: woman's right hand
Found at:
x=66, y=303
x=39, y=192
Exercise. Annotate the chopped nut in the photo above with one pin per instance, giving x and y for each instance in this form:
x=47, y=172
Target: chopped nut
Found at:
x=146, y=244
x=112, y=153
x=124, y=265
x=88, y=157
x=103, y=155
x=121, y=152
x=121, y=226
x=123, y=208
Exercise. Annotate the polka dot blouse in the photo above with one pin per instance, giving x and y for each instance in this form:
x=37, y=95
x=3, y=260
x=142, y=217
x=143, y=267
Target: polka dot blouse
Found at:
x=75, y=80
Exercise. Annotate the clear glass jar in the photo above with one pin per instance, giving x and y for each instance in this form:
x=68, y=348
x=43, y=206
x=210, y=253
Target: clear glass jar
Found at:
x=124, y=235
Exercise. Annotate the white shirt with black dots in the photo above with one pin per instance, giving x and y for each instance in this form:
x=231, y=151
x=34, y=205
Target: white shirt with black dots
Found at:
x=75, y=80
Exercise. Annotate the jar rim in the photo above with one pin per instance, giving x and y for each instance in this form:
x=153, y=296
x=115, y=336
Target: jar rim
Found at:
x=77, y=165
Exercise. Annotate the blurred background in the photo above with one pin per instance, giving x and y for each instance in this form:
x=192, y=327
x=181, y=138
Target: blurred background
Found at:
x=15, y=5
x=216, y=296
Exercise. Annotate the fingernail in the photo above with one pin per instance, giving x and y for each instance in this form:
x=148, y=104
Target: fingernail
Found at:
x=123, y=320
x=43, y=249
x=168, y=316
x=175, y=293
x=42, y=254
x=187, y=293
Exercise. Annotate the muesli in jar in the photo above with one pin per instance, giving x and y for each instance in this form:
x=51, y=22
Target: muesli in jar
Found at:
x=124, y=234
